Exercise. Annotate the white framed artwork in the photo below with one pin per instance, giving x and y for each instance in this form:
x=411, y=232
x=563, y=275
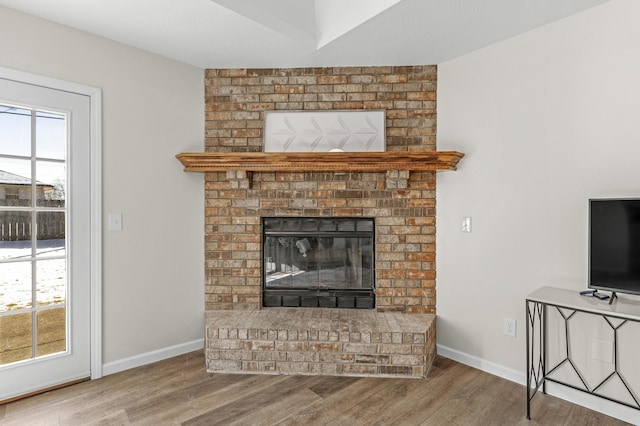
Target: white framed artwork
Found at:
x=324, y=131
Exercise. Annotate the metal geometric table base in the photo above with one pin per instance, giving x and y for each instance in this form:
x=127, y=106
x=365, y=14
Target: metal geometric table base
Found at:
x=537, y=354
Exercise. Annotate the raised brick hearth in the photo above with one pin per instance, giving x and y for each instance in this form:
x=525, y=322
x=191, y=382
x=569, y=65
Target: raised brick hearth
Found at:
x=402, y=204
x=348, y=342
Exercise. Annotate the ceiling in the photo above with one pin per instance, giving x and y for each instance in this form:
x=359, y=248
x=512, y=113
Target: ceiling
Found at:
x=304, y=33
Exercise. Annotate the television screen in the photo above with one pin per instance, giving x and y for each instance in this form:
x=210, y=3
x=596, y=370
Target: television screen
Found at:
x=614, y=245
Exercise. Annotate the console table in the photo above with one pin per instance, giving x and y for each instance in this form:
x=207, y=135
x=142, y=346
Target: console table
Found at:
x=622, y=313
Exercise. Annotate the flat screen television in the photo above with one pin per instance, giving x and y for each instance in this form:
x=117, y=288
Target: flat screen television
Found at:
x=614, y=245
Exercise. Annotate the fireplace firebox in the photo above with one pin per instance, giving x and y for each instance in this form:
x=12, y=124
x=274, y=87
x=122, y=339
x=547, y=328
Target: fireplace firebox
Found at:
x=318, y=262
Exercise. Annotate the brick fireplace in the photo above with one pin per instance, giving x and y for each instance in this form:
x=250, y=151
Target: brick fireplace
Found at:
x=402, y=204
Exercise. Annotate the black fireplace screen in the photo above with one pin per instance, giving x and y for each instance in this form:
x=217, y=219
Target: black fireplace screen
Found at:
x=318, y=262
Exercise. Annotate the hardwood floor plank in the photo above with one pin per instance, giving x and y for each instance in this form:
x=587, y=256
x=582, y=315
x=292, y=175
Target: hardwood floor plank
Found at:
x=418, y=406
x=232, y=393
x=179, y=391
x=327, y=409
x=169, y=401
x=267, y=416
x=239, y=386
x=505, y=394
x=253, y=401
x=463, y=403
x=332, y=384
x=118, y=418
x=371, y=408
x=126, y=391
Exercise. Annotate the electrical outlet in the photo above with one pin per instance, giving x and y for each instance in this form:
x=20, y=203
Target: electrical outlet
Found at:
x=602, y=350
x=509, y=327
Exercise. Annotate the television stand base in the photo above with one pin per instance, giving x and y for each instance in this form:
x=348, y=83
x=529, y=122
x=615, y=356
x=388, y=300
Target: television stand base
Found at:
x=549, y=310
x=613, y=296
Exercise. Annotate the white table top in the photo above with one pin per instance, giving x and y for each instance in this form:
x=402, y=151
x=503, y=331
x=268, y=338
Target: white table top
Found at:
x=621, y=308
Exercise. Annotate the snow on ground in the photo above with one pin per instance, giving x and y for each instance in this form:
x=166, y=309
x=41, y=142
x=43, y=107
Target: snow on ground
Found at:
x=15, y=277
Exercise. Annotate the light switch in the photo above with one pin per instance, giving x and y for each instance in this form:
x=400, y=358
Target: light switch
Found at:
x=115, y=221
x=466, y=224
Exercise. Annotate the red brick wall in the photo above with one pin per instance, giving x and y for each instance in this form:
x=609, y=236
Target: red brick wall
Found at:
x=236, y=100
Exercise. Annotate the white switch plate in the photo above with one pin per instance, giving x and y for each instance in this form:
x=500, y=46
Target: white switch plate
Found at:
x=466, y=224
x=115, y=221
x=602, y=350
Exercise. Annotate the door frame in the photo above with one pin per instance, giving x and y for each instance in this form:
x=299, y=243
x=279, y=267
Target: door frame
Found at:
x=95, y=146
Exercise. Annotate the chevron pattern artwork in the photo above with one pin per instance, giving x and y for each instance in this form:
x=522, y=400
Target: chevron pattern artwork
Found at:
x=324, y=131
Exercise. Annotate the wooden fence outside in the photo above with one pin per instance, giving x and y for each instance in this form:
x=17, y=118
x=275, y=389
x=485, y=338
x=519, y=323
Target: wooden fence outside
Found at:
x=17, y=226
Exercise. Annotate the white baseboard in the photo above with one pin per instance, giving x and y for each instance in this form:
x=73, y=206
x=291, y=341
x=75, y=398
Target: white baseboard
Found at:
x=484, y=365
x=153, y=356
x=594, y=403
x=618, y=411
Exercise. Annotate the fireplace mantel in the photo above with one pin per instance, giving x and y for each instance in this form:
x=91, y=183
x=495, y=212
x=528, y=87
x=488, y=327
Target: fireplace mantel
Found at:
x=319, y=161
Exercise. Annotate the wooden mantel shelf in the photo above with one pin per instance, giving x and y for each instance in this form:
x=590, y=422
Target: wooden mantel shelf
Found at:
x=319, y=161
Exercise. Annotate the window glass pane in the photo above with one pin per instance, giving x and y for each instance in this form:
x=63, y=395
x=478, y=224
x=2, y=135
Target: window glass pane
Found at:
x=15, y=234
x=51, y=331
x=16, y=338
x=51, y=184
x=15, y=286
x=15, y=182
x=15, y=131
x=51, y=135
x=51, y=282
x=51, y=233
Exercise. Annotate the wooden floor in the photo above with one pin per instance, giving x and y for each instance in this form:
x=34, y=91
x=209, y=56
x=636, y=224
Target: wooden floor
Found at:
x=178, y=391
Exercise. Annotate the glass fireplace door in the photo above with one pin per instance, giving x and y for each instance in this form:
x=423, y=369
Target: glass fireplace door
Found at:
x=318, y=262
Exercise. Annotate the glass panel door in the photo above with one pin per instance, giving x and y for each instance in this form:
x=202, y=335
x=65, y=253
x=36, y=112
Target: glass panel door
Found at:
x=33, y=245
x=45, y=237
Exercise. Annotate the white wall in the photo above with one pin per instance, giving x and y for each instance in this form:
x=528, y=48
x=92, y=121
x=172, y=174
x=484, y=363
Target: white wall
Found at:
x=152, y=109
x=547, y=120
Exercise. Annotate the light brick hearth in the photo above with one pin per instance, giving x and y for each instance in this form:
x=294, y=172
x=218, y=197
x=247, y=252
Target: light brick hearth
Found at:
x=345, y=342
x=402, y=204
